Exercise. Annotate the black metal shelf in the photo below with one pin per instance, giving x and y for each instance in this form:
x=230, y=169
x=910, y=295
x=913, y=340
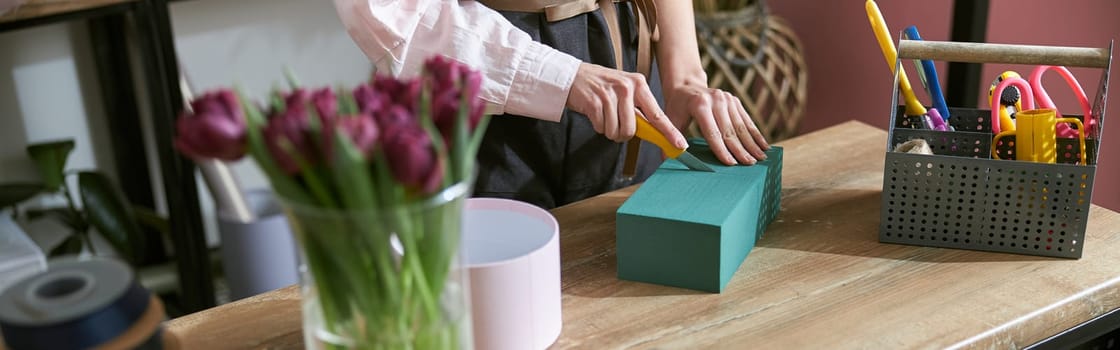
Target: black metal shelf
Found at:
x=85, y=13
x=110, y=24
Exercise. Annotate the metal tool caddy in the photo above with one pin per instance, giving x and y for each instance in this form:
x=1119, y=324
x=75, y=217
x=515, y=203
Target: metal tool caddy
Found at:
x=961, y=197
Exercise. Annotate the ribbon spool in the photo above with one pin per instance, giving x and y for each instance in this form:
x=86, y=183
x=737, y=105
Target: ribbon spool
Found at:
x=81, y=304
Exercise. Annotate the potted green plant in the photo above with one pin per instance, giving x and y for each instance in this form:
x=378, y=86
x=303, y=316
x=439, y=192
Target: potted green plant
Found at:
x=99, y=206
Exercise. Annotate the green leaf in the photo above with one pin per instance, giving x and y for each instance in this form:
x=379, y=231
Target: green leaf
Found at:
x=51, y=159
x=72, y=245
x=346, y=103
x=475, y=143
x=109, y=212
x=310, y=175
x=276, y=101
x=65, y=215
x=290, y=76
x=151, y=219
x=13, y=193
x=352, y=178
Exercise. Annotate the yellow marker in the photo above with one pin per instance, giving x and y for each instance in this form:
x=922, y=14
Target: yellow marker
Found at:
x=879, y=26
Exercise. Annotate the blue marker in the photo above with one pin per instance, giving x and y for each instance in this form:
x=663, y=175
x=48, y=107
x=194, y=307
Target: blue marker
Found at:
x=928, y=74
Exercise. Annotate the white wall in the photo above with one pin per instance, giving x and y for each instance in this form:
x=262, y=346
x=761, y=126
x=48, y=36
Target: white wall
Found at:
x=48, y=91
x=48, y=86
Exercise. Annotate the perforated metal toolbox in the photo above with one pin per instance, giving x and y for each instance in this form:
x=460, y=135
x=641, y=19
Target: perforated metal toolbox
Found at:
x=962, y=198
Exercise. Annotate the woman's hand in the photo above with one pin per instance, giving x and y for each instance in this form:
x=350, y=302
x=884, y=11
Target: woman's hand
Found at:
x=727, y=127
x=730, y=132
x=608, y=98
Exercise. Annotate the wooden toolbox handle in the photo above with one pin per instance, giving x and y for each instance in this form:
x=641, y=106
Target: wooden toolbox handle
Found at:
x=1004, y=53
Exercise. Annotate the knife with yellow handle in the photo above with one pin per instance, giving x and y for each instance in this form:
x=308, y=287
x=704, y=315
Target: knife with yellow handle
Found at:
x=647, y=132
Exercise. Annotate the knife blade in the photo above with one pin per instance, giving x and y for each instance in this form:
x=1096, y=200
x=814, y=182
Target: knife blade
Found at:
x=693, y=163
x=647, y=132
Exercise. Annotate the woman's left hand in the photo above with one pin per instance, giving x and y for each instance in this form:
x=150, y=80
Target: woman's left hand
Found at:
x=729, y=130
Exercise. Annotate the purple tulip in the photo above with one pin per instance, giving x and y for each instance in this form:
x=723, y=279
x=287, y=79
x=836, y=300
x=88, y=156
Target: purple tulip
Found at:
x=298, y=97
x=286, y=136
x=411, y=158
x=388, y=91
x=443, y=73
x=451, y=81
x=326, y=104
x=394, y=116
x=472, y=86
x=216, y=128
x=361, y=129
x=323, y=101
x=368, y=99
x=445, y=110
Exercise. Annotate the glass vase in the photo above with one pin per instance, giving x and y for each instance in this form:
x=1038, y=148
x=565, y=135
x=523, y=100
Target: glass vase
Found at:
x=385, y=278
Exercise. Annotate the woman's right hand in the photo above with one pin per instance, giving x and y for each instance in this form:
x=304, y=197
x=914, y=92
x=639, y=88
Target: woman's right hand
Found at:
x=608, y=98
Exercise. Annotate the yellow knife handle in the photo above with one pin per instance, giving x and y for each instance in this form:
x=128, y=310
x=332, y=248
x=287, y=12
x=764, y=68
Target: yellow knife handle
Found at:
x=645, y=131
x=879, y=26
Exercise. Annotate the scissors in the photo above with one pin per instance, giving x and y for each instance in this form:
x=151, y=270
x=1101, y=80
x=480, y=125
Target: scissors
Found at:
x=1044, y=100
x=927, y=72
x=913, y=107
x=1034, y=91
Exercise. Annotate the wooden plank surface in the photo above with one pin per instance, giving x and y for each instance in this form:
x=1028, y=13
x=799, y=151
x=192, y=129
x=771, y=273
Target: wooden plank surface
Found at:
x=819, y=278
x=42, y=8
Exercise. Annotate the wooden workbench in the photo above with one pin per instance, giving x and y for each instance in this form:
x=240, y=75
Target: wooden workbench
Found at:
x=819, y=278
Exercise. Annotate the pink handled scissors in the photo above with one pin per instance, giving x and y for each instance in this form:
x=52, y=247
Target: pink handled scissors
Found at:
x=1044, y=100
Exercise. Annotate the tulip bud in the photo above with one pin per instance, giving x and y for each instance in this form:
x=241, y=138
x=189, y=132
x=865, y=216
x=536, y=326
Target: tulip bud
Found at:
x=472, y=86
x=298, y=97
x=450, y=82
x=412, y=160
x=368, y=99
x=443, y=73
x=396, y=115
x=215, y=129
x=361, y=129
x=398, y=92
x=445, y=110
x=326, y=104
x=286, y=136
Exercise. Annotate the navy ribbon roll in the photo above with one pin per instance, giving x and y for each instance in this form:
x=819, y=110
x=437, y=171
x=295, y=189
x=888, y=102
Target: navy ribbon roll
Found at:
x=75, y=304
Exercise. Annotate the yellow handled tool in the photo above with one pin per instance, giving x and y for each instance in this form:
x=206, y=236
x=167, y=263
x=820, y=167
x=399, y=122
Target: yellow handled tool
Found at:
x=879, y=26
x=645, y=131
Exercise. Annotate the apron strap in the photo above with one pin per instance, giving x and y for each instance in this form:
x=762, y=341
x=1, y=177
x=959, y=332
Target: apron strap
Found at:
x=559, y=10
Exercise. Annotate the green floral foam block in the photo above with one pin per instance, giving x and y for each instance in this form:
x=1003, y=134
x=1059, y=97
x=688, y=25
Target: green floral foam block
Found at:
x=693, y=229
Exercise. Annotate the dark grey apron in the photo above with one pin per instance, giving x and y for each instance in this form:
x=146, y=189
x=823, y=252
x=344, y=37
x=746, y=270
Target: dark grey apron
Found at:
x=551, y=164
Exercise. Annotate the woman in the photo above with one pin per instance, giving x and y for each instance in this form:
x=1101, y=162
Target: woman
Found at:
x=550, y=72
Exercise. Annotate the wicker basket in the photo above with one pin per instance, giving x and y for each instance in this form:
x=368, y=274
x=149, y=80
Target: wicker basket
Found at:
x=758, y=58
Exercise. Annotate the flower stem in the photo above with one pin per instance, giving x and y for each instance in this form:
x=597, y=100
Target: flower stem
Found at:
x=411, y=226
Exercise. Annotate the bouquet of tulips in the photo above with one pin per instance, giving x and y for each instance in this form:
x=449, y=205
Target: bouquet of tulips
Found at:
x=373, y=182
